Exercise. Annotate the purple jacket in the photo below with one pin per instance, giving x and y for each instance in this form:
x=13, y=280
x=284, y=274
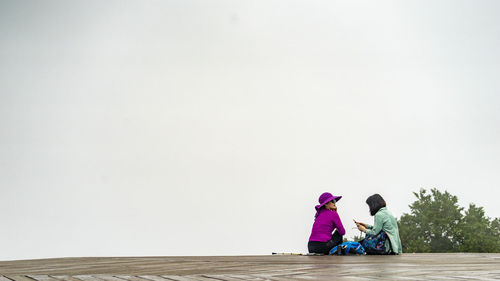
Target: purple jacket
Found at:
x=324, y=225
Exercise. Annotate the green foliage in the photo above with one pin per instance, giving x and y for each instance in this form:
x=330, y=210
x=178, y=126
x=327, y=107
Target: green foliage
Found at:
x=437, y=223
x=495, y=230
x=355, y=238
x=478, y=233
x=412, y=235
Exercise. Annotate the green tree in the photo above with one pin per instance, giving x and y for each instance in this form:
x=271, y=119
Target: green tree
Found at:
x=495, y=232
x=437, y=224
x=434, y=223
x=355, y=238
x=412, y=236
x=478, y=231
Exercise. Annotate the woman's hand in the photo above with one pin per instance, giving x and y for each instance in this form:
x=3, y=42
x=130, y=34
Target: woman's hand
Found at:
x=361, y=223
x=361, y=227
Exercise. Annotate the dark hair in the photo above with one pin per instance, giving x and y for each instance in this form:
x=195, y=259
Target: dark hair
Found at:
x=375, y=202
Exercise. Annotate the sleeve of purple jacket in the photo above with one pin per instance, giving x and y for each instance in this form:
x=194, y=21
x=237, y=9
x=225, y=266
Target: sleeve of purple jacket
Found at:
x=338, y=223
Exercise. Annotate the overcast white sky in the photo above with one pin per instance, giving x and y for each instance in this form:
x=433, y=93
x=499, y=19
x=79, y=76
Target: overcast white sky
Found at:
x=211, y=127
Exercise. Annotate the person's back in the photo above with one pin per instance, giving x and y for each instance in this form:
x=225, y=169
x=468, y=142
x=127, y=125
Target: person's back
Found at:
x=384, y=222
x=389, y=225
x=324, y=224
x=326, y=221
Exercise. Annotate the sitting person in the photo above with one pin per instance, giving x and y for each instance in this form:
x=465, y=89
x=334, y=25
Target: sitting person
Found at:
x=384, y=223
x=326, y=221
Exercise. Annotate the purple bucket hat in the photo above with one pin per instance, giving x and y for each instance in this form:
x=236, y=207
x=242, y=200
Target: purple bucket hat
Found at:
x=325, y=198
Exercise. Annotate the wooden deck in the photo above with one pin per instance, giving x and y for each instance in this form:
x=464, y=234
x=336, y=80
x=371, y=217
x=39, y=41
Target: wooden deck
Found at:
x=404, y=267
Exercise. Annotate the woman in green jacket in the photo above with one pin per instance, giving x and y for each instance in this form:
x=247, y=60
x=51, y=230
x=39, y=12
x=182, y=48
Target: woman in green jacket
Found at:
x=384, y=221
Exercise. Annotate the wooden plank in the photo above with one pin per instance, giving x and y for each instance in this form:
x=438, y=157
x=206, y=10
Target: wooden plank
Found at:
x=403, y=267
x=87, y=278
x=153, y=277
x=130, y=278
x=246, y=277
x=42, y=278
x=186, y=277
x=65, y=278
x=106, y=277
x=179, y=278
x=19, y=278
x=229, y=277
x=220, y=277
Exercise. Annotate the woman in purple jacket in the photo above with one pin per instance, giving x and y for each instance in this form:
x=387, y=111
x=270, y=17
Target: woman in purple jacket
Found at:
x=326, y=220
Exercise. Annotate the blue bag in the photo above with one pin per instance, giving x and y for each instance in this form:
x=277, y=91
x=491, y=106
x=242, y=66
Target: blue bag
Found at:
x=348, y=247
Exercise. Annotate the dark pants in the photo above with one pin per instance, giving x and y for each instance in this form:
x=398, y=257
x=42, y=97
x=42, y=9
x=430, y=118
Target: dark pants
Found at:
x=324, y=247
